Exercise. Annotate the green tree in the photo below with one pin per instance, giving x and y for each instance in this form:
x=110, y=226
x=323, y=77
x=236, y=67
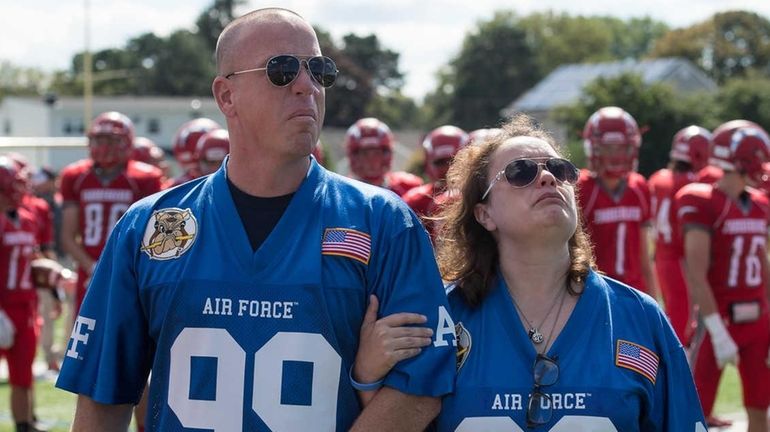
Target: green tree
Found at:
x=21, y=81
x=657, y=108
x=214, y=19
x=728, y=45
x=745, y=98
x=495, y=65
x=185, y=66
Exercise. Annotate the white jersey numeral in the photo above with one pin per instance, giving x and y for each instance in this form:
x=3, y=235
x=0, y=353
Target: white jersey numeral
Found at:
x=225, y=411
x=620, y=249
x=93, y=215
x=662, y=223
x=13, y=268
x=568, y=423
x=752, y=261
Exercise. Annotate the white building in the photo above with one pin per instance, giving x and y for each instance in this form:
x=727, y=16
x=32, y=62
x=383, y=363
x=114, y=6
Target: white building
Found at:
x=156, y=118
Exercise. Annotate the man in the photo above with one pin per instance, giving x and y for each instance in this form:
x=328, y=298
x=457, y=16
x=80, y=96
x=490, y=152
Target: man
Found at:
x=369, y=144
x=615, y=200
x=244, y=291
x=19, y=228
x=184, y=145
x=97, y=191
x=725, y=228
x=440, y=146
x=689, y=154
x=145, y=150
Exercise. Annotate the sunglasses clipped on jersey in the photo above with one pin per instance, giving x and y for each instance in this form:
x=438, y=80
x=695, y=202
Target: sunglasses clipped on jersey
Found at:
x=282, y=70
x=521, y=173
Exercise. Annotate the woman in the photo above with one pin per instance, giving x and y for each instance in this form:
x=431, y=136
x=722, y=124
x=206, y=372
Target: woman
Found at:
x=544, y=341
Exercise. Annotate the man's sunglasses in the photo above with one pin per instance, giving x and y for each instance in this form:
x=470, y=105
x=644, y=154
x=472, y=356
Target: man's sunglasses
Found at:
x=545, y=372
x=283, y=69
x=521, y=173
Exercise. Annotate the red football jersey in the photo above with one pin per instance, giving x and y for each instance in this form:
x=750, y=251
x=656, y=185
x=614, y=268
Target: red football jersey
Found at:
x=103, y=202
x=42, y=211
x=400, y=182
x=738, y=240
x=710, y=174
x=664, y=184
x=422, y=199
x=18, y=249
x=614, y=224
x=176, y=181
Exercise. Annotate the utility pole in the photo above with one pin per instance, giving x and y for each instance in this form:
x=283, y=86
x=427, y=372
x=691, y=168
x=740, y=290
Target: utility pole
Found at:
x=88, y=80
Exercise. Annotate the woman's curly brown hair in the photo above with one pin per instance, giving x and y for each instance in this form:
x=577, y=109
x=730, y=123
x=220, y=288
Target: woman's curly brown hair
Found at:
x=466, y=252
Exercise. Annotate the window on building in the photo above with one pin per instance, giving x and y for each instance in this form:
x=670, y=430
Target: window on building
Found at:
x=7, y=127
x=67, y=128
x=153, y=126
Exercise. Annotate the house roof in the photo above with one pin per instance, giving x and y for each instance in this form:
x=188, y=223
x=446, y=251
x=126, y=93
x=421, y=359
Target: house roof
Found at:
x=564, y=85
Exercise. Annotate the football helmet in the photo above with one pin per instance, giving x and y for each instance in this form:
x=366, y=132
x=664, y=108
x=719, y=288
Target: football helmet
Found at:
x=12, y=185
x=145, y=150
x=692, y=145
x=369, y=146
x=743, y=147
x=211, y=150
x=110, y=139
x=186, y=141
x=611, y=140
x=480, y=135
x=440, y=146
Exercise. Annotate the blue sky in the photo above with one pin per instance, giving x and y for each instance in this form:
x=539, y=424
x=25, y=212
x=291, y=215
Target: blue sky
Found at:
x=427, y=34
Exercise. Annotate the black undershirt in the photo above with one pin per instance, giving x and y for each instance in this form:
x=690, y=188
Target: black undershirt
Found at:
x=258, y=215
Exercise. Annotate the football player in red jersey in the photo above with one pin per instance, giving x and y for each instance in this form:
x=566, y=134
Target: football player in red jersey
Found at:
x=184, y=145
x=369, y=144
x=725, y=228
x=97, y=191
x=212, y=148
x=440, y=146
x=689, y=154
x=615, y=200
x=19, y=228
x=145, y=150
x=713, y=171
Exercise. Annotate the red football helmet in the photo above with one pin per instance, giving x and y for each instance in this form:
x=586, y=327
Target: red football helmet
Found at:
x=211, y=150
x=692, y=145
x=12, y=186
x=145, y=150
x=110, y=139
x=742, y=149
x=479, y=135
x=369, y=145
x=440, y=146
x=186, y=141
x=611, y=140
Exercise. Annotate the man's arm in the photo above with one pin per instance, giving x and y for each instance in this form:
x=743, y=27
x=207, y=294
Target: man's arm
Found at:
x=69, y=237
x=697, y=256
x=93, y=416
x=391, y=410
x=648, y=271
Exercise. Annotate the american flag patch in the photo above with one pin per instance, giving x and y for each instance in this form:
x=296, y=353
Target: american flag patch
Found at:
x=348, y=243
x=637, y=358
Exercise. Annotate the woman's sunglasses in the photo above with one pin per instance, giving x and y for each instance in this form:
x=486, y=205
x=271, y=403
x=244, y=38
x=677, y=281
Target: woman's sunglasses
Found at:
x=522, y=172
x=545, y=373
x=283, y=69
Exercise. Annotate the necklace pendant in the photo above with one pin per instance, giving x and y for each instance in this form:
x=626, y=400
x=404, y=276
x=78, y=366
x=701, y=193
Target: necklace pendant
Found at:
x=536, y=336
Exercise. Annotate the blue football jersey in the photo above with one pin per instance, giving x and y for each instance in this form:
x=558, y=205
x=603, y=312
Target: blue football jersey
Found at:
x=244, y=340
x=621, y=368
